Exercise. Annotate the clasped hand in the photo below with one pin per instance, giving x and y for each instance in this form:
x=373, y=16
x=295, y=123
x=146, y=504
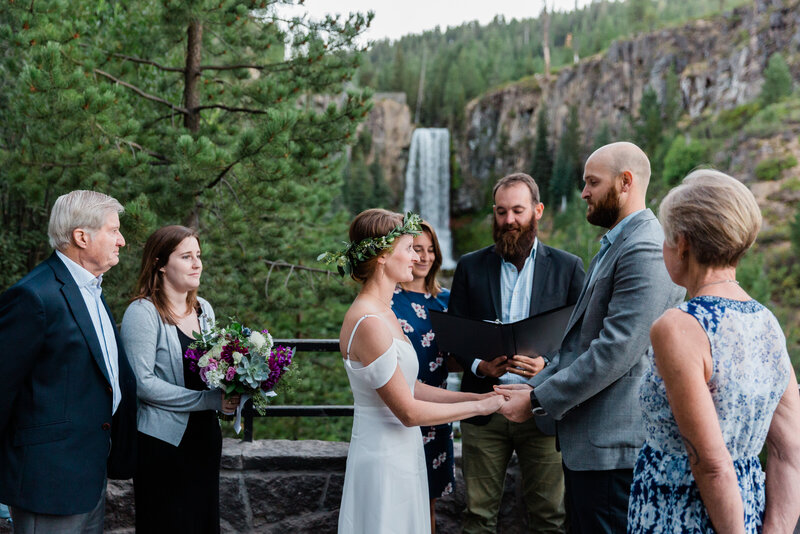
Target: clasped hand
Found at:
x=517, y=407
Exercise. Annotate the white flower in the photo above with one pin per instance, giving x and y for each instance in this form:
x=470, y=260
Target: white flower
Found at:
x=257, y=340
x=419, y=310
x=237, y=357
x=203, y=361
x=215, y=352
x=215, y=377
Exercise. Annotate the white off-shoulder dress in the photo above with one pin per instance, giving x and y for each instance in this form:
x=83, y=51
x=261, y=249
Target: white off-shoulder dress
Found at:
x=385, y=484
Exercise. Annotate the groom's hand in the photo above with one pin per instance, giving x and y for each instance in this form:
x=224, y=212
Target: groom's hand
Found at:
x=493, y=368
x=518, y=402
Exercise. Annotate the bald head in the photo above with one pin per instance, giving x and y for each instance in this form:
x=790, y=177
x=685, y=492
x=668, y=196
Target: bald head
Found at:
x=624, y=156
x=616, y=178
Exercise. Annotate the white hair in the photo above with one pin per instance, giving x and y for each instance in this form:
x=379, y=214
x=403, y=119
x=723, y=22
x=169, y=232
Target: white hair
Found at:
x=79, y=209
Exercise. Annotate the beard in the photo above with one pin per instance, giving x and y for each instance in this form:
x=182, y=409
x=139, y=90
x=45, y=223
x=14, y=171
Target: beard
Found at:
x=513, y=241
x=606, y=212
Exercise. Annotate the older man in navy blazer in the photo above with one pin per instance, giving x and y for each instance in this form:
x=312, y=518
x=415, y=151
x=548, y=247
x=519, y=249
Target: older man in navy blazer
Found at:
x=67, y=393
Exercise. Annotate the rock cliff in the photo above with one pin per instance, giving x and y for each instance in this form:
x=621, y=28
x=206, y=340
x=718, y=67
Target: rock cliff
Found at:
x=719, y=64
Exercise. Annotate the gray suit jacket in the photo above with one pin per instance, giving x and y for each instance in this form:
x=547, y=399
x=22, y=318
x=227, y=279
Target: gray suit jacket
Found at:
x=154, y=351
x=592, y=386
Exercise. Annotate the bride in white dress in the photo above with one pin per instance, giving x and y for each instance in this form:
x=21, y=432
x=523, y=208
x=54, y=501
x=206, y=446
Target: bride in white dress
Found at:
x=385, y=485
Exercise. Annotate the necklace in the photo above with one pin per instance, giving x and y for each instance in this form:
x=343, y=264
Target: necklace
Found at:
x=728, y=281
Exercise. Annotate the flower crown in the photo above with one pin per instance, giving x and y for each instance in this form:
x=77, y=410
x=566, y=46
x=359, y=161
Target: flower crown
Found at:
x=354, y=253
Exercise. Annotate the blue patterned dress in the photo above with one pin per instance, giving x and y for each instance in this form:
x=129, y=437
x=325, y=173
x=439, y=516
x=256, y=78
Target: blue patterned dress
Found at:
x=750, y=374
x=411, y=309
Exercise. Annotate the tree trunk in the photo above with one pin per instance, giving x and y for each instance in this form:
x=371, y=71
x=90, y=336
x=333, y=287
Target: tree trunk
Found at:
x=575, y=53
x=546, y=40
x=191, y=96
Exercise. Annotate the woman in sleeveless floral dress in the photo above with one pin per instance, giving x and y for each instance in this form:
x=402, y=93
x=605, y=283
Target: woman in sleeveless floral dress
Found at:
x=385, y=486
x=720, y=382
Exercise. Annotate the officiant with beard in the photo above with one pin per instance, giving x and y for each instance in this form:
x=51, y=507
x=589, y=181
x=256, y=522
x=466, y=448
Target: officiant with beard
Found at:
x=517, y=277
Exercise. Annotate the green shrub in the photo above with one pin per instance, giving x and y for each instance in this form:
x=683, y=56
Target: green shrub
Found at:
x=771, y=168
x=777, y=80
x=683, y=156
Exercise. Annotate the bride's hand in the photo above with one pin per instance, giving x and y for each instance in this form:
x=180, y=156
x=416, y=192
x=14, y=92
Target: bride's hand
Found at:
x=491, y=403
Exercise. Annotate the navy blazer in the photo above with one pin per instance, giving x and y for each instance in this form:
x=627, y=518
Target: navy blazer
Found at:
x=557, y=281
x=56, y=426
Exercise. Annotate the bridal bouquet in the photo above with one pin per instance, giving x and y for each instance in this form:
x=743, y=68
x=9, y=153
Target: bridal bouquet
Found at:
x=239, y=360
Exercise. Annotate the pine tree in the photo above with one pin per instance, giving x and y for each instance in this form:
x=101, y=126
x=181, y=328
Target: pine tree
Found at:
x=777, y=80
x=210, y=113
x=649, y=127
x=542, y=161
x=567, y=169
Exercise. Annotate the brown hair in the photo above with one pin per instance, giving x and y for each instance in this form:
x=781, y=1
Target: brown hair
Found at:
x=431, y=284
x=374, y=222
x=518, y=178
x=150, y=284
x=716, y=214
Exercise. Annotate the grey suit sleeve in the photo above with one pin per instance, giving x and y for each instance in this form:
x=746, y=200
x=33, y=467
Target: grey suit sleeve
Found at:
x=139, y=332
x=642, y=291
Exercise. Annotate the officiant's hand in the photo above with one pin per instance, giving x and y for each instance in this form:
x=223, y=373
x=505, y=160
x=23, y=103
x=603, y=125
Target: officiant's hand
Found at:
x=229, y=404
x=525, y=366
x=493, y=368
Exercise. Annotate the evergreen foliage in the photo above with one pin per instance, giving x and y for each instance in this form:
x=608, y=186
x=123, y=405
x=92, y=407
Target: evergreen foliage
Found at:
x=684, y=154
x=465, y=61
x=777, y=81
x=649, y=127
x=226, y=115
x=568, y=166
x=542, y=160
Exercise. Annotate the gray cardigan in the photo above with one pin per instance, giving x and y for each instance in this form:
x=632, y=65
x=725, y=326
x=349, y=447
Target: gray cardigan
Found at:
x=154, y=352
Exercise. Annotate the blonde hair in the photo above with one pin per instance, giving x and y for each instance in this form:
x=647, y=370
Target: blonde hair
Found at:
x=79, y=209
x=374, y=222
x=716, y=214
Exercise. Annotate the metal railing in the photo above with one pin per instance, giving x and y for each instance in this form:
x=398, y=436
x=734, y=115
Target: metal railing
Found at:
x=301, y=345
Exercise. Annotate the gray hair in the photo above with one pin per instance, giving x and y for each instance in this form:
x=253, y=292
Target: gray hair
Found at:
x=79, y=209
x=715, y=213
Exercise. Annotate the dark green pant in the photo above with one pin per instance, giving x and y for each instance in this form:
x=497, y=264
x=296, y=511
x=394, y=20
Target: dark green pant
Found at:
x=486, y=451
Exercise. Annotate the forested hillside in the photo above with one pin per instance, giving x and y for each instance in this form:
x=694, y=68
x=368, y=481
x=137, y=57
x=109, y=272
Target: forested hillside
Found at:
x=460, y=63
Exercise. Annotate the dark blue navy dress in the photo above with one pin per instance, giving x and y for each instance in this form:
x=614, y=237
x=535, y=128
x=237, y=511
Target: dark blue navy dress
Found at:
x=411, y=309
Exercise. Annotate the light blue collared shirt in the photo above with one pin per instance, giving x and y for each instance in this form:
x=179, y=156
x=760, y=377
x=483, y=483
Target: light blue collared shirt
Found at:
x=612, y=236
x=515, y=298
x=90, y=291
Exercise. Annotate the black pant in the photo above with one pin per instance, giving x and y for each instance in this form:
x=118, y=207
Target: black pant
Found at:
x=597, y=501
x=176, y=489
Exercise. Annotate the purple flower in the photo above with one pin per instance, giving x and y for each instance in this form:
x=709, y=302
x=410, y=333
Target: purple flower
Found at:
x=231, y=373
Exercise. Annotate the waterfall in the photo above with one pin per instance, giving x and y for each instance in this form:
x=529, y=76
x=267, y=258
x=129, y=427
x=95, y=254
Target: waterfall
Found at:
x=428, y=185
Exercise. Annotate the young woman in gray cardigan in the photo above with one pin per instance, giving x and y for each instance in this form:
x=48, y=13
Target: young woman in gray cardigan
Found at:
x=176, y=485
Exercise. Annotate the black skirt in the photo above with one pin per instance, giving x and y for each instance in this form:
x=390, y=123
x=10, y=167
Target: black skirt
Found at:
x=176, y=489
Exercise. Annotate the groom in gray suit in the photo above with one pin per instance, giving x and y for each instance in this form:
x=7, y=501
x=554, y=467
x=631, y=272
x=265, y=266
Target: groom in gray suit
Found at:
x=591, y=388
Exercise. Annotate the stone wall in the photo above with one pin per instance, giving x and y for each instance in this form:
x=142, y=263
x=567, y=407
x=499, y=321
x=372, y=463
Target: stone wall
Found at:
x=281, y=486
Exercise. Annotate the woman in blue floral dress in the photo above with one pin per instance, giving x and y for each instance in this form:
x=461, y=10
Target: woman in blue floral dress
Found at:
x=411, y=302
x=720, y=382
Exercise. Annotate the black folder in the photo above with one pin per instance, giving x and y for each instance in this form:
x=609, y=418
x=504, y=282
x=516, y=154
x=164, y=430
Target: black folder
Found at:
x=535, y=336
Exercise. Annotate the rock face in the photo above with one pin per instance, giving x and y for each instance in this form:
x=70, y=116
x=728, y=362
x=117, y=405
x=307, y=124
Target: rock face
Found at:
x=719, y=64
x=389, y=123
x=278, y=486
